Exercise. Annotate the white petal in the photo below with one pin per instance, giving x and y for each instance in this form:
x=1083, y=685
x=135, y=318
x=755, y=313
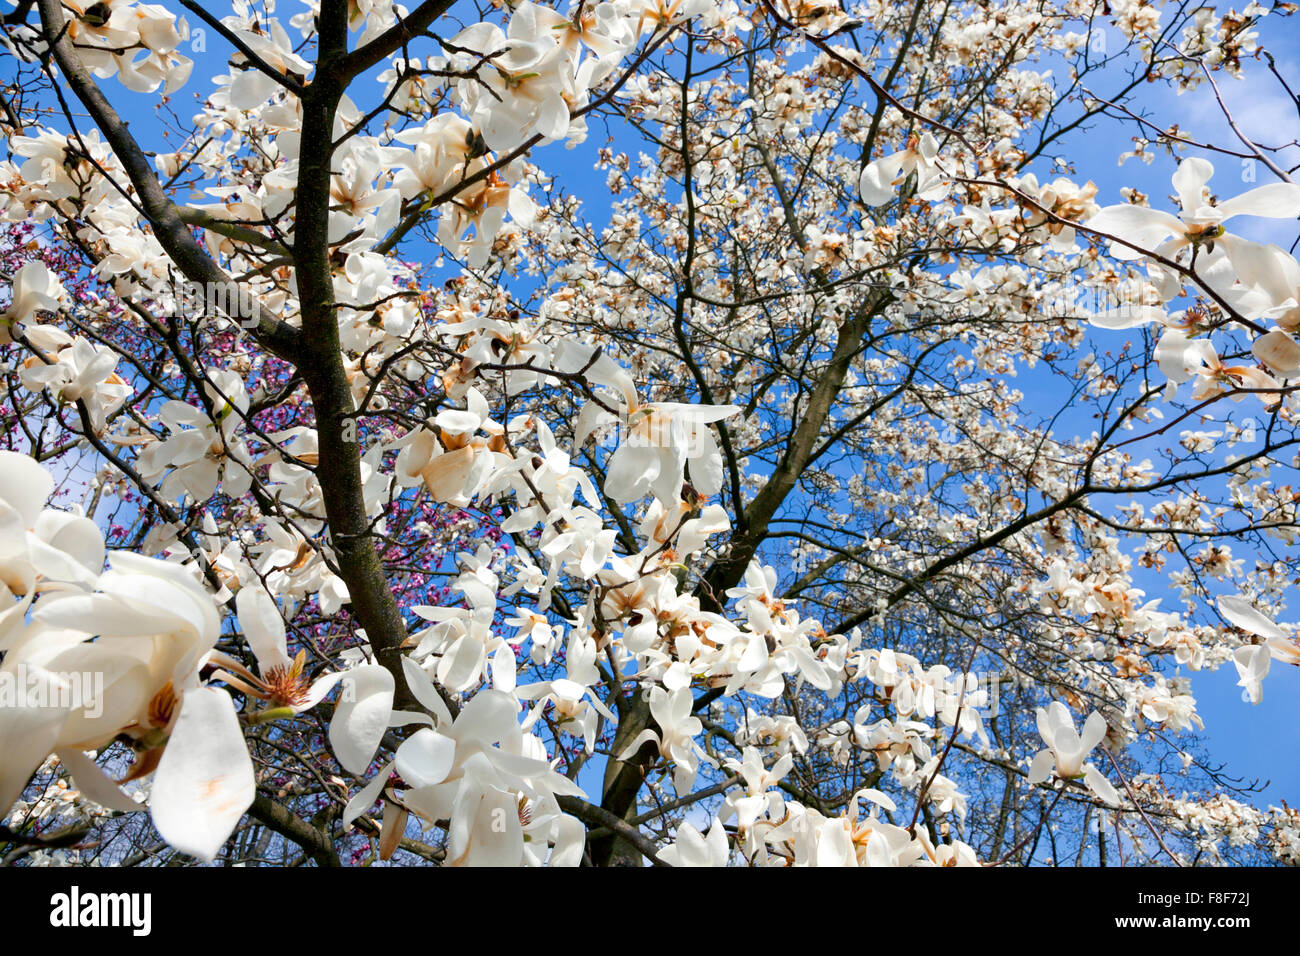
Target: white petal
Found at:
x=1094, y=730
x=365, y=798
x=1279, y=352
x=877, y=181
x=1042, y=767
x=489, y=717
x=24, y=485
x=422, y=688
x=1192, y=174
x=93, y=783
x=1099, y=785
x=1274, y=201
x=204, y=781
x=570, y=838
x=28, y=733
x=1137, y=225
x=1242, y=614
x=425, y=758
x=361, y=717
x=263, y=626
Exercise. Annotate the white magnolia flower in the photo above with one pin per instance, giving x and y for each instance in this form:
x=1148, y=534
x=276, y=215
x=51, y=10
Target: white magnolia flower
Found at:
x=1067, y=750
x=74, y=369
x=661, y=441
x=527, y=86
x=575, y=702
x=452, y=461
x=678, y=728
x=759, y=798
x=364, y=708
x=1199, y=224
x=35, y=288
x=200, y=452
x=490, y=781
x=882, y=176
x=691, y=848
x=154, y=627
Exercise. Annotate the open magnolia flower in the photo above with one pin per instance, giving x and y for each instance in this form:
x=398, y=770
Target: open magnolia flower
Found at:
x=676, y=737
x=491, y=782
x=1182, y=359
x=1199, y=225
x=660, y=441
x=1064, y=198
x=462, y=641
x=882, y=176
x=74, y=369
x=201, y=453
x=452, y=461
x=35, y=289
x=153, y=627
x=1067, y=750
x=574, y=701
x=111, y=34
x=362, y=714
x=851, y=841
x=524, y=91
x=759, y=797
x=692, y=848
x=250, y=87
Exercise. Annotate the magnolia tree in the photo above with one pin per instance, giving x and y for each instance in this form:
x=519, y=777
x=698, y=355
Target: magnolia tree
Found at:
x=836, y=477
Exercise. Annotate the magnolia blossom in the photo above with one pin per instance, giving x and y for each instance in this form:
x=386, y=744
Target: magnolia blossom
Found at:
x=249, y=87
x=663, y=440
x=75, y=370
x=572, y=698
x=110, y=35
x=42, y=550
x=920, y=159
x=1182, y=359
x=490, y=780
x=1199, y=225
x=527, y=79
x=678, y=728
x=154, y=628
x=201, y=453
x=452, y=462
x=34, y=289
x=1067, y=750
x=1063, y=198
x=691, y=848
x=363, y=711
x=759, y=799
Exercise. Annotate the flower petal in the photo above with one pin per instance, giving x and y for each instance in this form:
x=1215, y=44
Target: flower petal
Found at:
x=204, y=781
x=1242, y=614
x=425, y=758
x=263, y=627
x=361, y=717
